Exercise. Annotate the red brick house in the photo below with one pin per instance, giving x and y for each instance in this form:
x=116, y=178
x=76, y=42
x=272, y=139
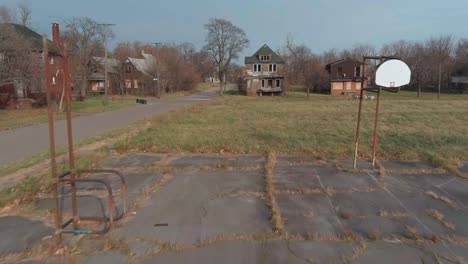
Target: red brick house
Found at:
x=20, y=87
x=345, y=76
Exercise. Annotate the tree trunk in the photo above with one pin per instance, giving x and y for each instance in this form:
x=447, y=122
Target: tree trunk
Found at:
x=220, y=75
x=419, y=89
x=308, y=91
x=440, y=77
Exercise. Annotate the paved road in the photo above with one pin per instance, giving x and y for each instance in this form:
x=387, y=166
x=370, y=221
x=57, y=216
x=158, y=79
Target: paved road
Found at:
x=20, y=143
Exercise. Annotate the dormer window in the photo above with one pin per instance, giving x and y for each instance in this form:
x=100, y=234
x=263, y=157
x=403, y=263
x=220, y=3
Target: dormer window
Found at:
x=264, y=57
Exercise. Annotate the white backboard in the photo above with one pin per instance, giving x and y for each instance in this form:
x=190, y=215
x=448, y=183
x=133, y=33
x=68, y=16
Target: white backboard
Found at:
x=393, y=73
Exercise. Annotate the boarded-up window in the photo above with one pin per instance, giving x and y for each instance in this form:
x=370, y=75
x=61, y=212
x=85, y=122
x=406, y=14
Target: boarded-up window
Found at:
x=128, y=84
x=135, y=84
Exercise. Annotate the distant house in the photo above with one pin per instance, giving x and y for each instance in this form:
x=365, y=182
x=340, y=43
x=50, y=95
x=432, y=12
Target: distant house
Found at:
x=96, y=77
x=23, y=83
x=345, y=76
x=264, y=73
x=460, y=83
x=140, y=74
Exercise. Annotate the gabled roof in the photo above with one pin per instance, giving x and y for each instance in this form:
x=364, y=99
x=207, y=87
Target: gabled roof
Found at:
x=112, y=64
x=264, y=50
x=143, y=65
x=29, y=35
x=345, y=59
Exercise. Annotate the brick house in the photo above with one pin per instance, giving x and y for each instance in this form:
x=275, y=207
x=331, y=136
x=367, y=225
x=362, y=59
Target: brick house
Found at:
x=140, y=74
x=264, y=73
x=345, y=76
x=21, y=90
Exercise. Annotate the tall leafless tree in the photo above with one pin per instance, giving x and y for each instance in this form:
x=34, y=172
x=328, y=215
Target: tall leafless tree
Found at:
x=224, y=42
x=441, y=49
x=85, y=37
x=6, y=15
x=24, y=13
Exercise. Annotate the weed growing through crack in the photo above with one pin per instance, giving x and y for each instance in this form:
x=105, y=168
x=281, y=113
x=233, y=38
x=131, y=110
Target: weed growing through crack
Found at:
x=441, y=198
x=270, y=193
x=441, y=218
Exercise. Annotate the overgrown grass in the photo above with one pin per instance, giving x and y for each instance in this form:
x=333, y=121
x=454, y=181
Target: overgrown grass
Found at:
x=18, y=118
x=322, y=125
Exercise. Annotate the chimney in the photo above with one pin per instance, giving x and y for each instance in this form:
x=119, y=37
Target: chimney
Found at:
x=55, y=33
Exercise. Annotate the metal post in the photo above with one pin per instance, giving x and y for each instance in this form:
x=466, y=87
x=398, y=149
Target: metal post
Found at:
x=374, y=148
x=66, y=71
x=359, y=113
x=157, y=69
x=53, y=162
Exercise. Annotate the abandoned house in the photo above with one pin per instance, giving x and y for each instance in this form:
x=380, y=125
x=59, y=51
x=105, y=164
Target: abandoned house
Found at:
x=96, y=77
x=140, y=75
x=345, y=76
x=22, y=66
x=264, y=73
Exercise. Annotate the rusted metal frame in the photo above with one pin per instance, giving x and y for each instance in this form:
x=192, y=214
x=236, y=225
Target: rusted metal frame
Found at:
x=374, y=147
x=122, y=180
x=108, y=220
x=356, y=142
x=71, y=157
x=48, y=84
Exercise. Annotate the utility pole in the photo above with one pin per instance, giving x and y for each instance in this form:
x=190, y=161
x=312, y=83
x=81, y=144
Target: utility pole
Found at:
x=156, y=44
x=106, y=84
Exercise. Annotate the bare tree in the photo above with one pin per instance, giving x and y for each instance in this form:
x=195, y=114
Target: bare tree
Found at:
x=203, y=65
x=85, y=38
x=24, y=13
x=225, y=41
x=6, y=15
x=441, y=49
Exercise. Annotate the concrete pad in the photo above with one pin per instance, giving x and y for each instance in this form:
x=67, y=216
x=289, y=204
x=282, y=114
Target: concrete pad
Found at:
x=19, y=234
x=309, y=214
x=194, y=207
x=360, y=164
x=366, y=204
x=408, y=165
x=293, y=160
x=390, y=253
x=457, y=190
x=219, y=161
x=377, y=227
x=336, y=179
x=140, y=248
x=253, y=252
x=296, y=177
x=96, y=203
x=138, y=160
x=107, y=257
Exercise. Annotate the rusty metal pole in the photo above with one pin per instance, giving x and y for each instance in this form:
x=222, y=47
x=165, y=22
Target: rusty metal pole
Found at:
x=53, y=162
x=374, y=148
x=359, y=114
x=71, y=157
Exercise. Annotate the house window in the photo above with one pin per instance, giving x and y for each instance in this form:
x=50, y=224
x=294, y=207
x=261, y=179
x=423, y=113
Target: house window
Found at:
x=340, y=71
x=53, y=80
x=51, y=60
x=128, y=69
x=278, y=83
x=272, y=68
x=257, y=68
x=128, y=84
x=263, y=83
x=264, y=57
x=135, y=84
x=357, y=71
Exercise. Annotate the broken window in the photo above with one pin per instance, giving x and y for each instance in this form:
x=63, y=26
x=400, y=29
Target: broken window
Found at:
x=272, y=68
x=340, y=71
x=357, y=71
x=128, y=69
x=257, y=68
x=263, y=83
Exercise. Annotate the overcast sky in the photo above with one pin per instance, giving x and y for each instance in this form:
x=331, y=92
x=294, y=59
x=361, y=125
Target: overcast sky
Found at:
x=320, y=24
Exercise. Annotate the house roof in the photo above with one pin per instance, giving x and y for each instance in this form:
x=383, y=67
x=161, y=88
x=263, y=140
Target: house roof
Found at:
x=143, y=65
x=339, y=61
x=112, y=64
x=29, y=35
x=264, y=50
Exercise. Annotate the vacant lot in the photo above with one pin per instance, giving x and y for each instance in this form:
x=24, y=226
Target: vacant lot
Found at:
x=17, y=118
x=410, y=128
